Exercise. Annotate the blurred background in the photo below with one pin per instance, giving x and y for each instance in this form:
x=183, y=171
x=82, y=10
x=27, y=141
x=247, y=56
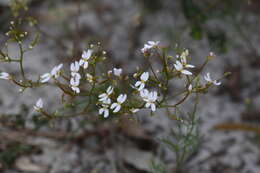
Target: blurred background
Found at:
x=229, y=115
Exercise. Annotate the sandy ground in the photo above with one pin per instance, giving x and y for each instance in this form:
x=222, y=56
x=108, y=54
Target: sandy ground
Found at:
x=115, y=24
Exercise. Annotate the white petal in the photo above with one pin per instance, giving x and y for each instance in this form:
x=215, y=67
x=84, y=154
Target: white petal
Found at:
x=81, y=62
x=110, y=90
x=117, y=71
x=138, y=83
x=118, y=107
x=107, y=101
x=134, y=110
x=186, y=72
x=178, y=66
x=113, y=105
x=145, y=76
x=153, y=107
x=45, y=77
x=59, y=66
x=102, y=95
x=141, y=87
x=39, y=103
x=121, y=98
x=106, y=113
x=154, y=96
x=190, y=87
x=144, y=93
x=4, y=75
x=216, y=83
x=101, y=111
x=189, y=66
x=72, y=67
x=87, y=55
x=76, y=89
x=85, y=65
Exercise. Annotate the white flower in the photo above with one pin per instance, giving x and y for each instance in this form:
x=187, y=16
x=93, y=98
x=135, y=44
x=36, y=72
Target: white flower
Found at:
x=55, y=73
x=150, y=98
x=105, y=108
x=208, y=79
x=179, y=67
x=74, y=68
x=4, y=75
x=153, y=43
x=117, y=71
x=149, y=45
x=85, y=57
x=141, y=84
x=45, y=77
x=39, y=105
x=120, y=100
x=184, y=59
x=105, y=111
x=105, y=96
x=90, y=78
x=74, y=83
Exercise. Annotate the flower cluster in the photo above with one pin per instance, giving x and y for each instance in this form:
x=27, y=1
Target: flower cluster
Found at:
x=75, y=67
x=105, y=100
x=122, y=96
x=55, y=73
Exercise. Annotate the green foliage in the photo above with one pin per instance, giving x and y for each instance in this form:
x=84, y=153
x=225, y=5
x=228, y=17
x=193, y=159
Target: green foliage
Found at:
x=198, y=13
x=12, y=151
x=157, y=167
x=184, y=139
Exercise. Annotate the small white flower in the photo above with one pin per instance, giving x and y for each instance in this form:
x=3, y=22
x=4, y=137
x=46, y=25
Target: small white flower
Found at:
x=55, y=73
x=105, y=96
x=105, y=111
x=39, y=105
x=208, y=79
x=150, y=98
x=85, y=57
x=4, y=75
x=45, y=77
x=179, y=67
x=90, y=78
x=120, y=100
x=141, y=84
x=105, y=108
x=74, y=83
x=183, y=58
x=117, y=71
x=153, y=43
x=74, y=68
x=149, y=45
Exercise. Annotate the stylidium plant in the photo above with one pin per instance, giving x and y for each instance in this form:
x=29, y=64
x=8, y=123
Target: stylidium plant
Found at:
x=150, y=91
x=87, y=88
